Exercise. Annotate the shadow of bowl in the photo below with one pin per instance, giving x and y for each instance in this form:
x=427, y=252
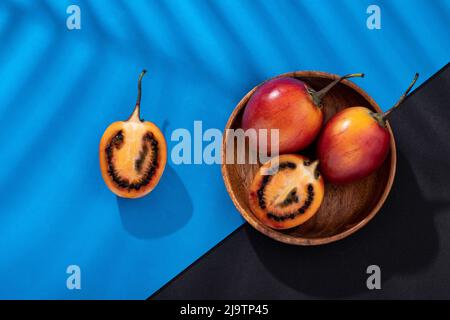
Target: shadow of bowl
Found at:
x=165, y=210
x=401, y=240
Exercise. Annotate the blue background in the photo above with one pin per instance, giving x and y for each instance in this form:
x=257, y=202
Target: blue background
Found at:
x=60, y=89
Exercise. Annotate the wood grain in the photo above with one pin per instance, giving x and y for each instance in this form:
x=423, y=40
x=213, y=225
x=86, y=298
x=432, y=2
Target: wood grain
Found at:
x=346, y=208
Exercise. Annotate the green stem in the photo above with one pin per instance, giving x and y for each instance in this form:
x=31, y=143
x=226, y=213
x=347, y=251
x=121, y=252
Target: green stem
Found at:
x=318, y=96
x=138, y=101
x=137, y=110
x=395, y=106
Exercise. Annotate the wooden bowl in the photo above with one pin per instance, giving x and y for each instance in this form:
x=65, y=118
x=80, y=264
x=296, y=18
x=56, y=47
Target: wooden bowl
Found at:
x=345, y=208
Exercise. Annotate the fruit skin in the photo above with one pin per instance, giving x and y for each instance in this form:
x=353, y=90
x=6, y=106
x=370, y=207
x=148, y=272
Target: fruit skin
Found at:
x=285, y=104
x=133, y=130
x=353, y=144
x=311, y=176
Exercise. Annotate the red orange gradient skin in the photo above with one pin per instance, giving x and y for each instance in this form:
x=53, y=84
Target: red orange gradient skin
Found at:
x=352, y=145
x=285, y=104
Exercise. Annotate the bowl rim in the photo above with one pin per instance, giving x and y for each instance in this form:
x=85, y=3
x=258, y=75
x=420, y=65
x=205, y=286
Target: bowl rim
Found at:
x=277, y=234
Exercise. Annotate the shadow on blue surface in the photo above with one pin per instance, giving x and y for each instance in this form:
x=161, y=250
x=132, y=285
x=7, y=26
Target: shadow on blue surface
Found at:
x=164, y=211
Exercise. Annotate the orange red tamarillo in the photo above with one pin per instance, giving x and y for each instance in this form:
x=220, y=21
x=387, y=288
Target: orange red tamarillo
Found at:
x=287, y=191
x=355, y=142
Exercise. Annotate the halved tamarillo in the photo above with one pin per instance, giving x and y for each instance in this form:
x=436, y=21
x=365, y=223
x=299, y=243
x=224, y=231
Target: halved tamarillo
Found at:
x=287, y=191
x=133, y=154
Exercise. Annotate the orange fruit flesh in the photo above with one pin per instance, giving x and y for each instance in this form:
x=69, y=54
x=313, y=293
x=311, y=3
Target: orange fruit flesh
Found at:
x=133, y=155
x=286, y=192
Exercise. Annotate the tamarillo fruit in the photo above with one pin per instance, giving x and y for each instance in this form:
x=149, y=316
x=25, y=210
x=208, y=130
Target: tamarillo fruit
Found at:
x=355, y=142
x=286, y=191
x=133, y=154
x=291, y=106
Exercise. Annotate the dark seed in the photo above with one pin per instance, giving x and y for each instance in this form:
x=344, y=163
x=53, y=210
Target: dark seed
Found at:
x=117, y=142
x=291, y=165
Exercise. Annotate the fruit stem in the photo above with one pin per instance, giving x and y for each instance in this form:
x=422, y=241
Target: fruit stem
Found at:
x=395, y=106
x=137, y=110
x=318, y=96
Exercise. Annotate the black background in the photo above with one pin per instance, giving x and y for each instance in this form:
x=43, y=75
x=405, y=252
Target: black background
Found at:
x=409, y=239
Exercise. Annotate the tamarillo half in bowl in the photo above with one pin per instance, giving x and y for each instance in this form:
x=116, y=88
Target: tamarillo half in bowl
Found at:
x=287, y=191
x=345, y=208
